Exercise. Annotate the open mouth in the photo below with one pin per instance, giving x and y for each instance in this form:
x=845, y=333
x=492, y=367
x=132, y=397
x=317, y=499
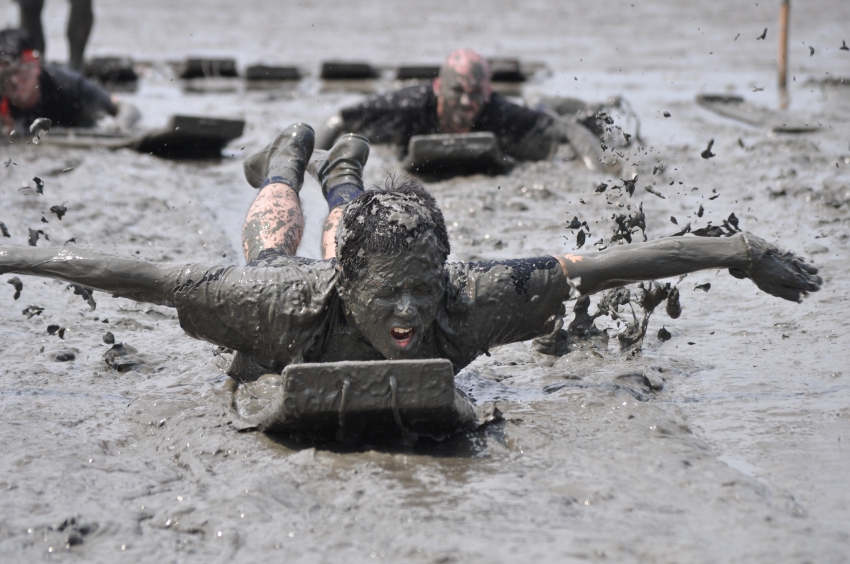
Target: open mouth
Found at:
x=402, y=336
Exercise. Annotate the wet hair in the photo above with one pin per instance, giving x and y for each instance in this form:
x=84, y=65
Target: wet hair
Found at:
x=13, y=43
x=386, y=221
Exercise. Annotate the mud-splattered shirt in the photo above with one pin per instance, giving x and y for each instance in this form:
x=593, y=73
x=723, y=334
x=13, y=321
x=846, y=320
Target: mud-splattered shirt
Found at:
x=66, y=99
x=280, y=309
x=395, y=117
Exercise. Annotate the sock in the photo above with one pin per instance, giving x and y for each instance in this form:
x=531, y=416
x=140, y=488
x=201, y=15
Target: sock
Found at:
x=342, y=194
x=284, y=176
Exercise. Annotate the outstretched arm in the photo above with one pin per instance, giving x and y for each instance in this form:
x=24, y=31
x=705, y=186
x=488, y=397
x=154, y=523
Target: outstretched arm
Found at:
x=585, y=144
x=127, y=278
x=271, y=313
x=779, y=273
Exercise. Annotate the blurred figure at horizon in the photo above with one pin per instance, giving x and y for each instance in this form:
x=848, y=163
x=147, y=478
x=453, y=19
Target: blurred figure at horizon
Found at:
x=80, y=22
x=31, y=88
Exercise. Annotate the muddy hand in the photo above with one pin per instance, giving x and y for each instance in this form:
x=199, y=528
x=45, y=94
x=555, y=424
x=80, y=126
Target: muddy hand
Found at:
x=779, y=273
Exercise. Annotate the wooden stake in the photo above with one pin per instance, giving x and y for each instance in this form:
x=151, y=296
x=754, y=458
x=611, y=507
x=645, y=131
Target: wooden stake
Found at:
x=783, y=54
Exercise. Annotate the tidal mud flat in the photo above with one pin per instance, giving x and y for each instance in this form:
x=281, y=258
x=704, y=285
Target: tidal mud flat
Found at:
x=725, y=443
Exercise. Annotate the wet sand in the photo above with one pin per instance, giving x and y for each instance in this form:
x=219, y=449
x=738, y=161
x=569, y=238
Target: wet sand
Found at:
x=741, y=456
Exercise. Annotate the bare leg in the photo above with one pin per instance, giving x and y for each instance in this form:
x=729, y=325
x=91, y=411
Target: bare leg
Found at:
x=329, y=233
x=31, y=22
x=80, y=22
x=274, y=221
x=340, y=172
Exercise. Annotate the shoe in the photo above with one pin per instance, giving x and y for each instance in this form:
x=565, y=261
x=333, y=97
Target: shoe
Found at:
x=282, y=160
x=343, y=164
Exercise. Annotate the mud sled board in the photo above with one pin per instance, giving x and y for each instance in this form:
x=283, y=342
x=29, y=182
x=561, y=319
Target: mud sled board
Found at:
x=185, y=137
x=364, y=400
x=735, y=107
x=417, y=72
x=272, y=73
x=206, y=68
x=343, y=70
x=189, y=137
x=447, y=154
x=116, y=73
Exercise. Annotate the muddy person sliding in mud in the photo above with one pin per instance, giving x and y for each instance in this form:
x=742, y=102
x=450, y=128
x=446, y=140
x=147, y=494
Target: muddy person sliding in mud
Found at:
x=461, y=100
x=384, y=289
x=31, y=88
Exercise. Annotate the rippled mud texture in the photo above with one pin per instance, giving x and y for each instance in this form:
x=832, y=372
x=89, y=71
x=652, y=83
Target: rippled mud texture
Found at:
x=740, y=456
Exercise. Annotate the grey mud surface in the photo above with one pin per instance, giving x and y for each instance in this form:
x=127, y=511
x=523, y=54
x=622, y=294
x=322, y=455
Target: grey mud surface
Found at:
x=742, y=456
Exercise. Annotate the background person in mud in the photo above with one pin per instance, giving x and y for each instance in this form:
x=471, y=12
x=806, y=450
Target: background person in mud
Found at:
x=461, y=100
x=34, y=89
x=80, y=22
x=384, y=289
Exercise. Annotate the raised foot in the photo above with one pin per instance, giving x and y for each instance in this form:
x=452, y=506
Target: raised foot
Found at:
x=284, y=159
x=343, y=164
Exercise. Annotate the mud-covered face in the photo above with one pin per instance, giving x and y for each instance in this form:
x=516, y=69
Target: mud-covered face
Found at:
x=463, y=88
x=395, y=300
x=19, y=82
